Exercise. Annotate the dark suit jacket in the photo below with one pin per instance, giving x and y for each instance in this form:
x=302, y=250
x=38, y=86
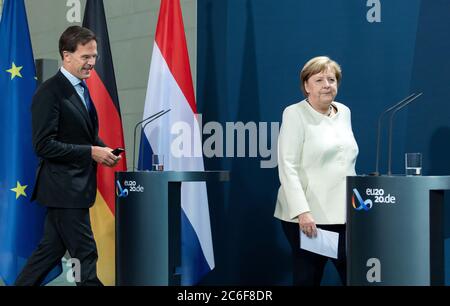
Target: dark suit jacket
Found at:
x=63, y=133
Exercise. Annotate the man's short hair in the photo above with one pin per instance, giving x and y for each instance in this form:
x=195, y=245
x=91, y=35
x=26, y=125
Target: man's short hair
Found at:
x=73, y=36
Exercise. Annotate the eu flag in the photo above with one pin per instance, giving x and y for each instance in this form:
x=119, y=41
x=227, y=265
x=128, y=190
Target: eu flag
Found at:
x=21, y=222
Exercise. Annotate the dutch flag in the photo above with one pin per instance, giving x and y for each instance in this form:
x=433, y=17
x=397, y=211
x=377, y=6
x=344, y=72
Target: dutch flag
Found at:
x=170, y=87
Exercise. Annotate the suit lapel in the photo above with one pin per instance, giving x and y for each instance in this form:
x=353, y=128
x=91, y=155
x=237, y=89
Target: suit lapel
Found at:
x=75, y=99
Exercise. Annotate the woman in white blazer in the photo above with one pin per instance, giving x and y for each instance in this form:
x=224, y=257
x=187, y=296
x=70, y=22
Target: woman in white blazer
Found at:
x=316, y=151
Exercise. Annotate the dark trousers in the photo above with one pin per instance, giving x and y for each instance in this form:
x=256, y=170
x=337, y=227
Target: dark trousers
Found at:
x=65, y=229
x=308, y=266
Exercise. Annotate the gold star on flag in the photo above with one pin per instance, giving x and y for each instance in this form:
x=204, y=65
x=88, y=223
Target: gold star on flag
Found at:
x=15, y=71
x=19, y=190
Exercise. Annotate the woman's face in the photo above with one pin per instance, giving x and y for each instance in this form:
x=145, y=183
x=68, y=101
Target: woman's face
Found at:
x=322, y=88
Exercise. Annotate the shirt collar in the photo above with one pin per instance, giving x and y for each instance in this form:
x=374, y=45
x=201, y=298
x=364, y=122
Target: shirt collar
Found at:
x=320, y=116
x=72, y=79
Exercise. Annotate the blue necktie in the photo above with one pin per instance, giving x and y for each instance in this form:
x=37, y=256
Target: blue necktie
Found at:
x=88, y=101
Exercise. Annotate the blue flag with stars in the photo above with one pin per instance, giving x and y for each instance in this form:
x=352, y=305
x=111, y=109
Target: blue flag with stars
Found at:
x=21, y=222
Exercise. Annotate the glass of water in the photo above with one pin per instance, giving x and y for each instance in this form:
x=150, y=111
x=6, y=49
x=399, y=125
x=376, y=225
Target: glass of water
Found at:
x=157, y=162
x=413, y=163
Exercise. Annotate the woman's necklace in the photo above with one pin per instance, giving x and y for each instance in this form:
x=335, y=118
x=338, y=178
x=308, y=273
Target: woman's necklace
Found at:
x=330, y=109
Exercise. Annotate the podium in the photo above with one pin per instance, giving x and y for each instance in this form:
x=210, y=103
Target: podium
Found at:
x=395, y=230
x=148, y=227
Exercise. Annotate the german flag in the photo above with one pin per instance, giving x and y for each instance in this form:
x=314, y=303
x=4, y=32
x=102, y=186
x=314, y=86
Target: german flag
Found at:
x=102, y=86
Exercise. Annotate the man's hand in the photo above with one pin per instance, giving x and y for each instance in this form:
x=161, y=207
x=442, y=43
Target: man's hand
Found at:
x=104, y=156
x=307, y=224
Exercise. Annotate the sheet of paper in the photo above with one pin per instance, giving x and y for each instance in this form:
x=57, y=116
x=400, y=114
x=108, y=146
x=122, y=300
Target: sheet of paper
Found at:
x=326, y=243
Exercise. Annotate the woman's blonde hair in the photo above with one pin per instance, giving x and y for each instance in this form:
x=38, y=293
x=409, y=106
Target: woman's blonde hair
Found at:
x=317, y=65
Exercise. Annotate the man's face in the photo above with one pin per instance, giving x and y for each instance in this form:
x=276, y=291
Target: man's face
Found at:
x=82, y=61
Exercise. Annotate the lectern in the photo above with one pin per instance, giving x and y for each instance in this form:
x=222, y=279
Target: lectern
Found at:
x=148, y=213
x=395, y=230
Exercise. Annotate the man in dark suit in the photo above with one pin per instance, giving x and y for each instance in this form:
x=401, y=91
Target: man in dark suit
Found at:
x=65, y=137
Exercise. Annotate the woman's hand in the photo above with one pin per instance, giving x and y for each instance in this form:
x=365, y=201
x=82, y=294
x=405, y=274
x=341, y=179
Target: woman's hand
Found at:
x=307, y=224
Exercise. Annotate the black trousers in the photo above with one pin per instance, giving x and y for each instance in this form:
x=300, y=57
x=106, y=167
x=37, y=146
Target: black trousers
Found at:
x=308, y=266
x=65, y=229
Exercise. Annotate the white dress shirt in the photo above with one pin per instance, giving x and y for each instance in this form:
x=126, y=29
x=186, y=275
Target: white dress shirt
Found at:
x=75, y=83
x=315, y=155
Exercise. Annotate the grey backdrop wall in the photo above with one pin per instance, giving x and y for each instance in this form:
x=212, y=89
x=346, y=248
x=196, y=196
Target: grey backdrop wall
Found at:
x=132, y=26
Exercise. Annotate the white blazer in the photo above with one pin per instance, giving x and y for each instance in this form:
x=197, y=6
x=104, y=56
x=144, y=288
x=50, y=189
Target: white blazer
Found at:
x=315, y=154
